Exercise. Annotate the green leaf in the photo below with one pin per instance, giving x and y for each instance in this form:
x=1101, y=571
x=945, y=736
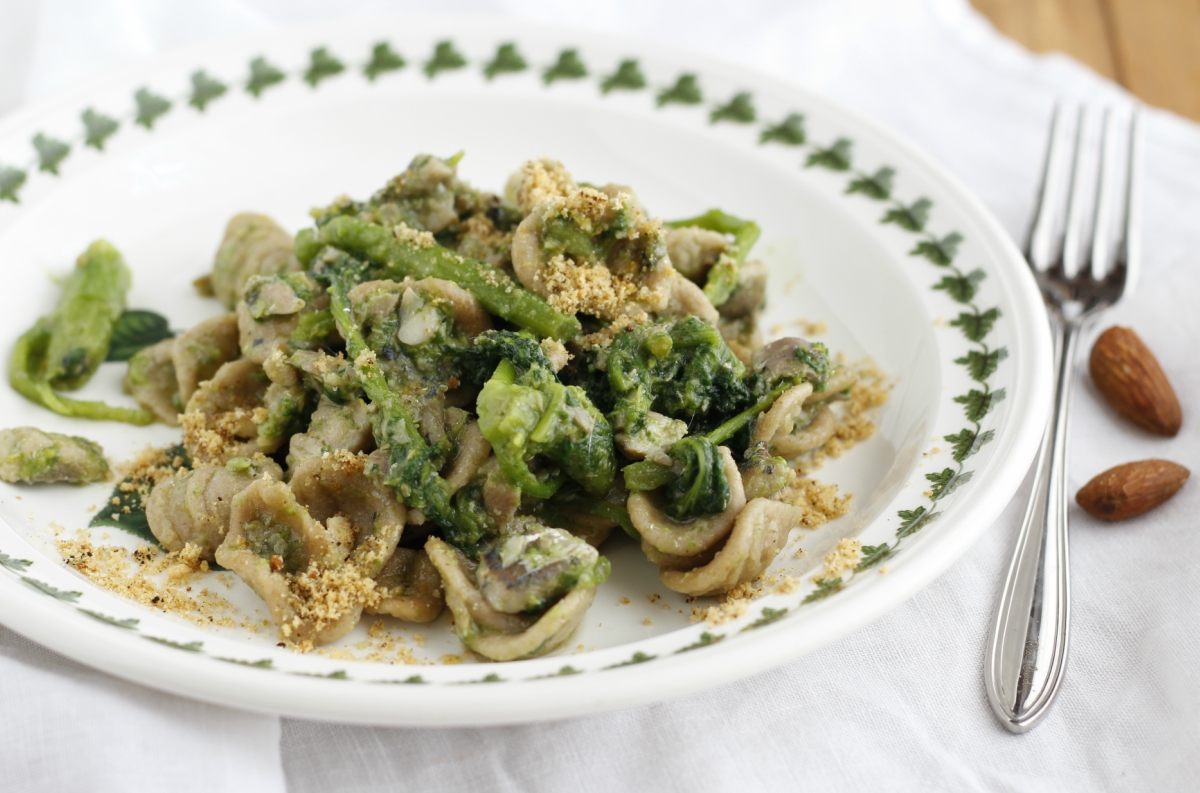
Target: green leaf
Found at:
x=979, y=403
x=69, y=597
x=739, y=109
x=133, y=521
x=913, y=217
x=566, y=670
x=265, y=663
x=705, y=640
x=98, y=128
x=507, y=60
x=205, y=89
x=128, y=624
x=638, y=658
x=825, y=588
x=685, y=92
x=567, y=67
x=967, y=442
x=415, y=680
x=872, y=555
x=339, y=674
x=976, y=326
x=50, y=152
x=149, y=107
x=946, y=482
x=445, y=58
x=11, y=180
x=191, y=647
x=913, y=520
x=383, y=59
x=836, y=157
x=789, y=132
x=322, y=66
x=961, y=287
x=16, y=565
x=940, y=252
x=877, y=186
x=263, y=75
x=982, y=365
x=768, y=616
x=627, y=77
x=136, y=329
x=128, y=513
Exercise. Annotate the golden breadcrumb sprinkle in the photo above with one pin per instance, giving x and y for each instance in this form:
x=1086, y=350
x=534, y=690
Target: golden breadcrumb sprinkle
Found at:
x=381, y=647
x=321, y=598
x=841, y=559
x=164, y=581
x=538, y=181
x=216, y=437
x=854, y=422
x=819, y=501
x=422, y=239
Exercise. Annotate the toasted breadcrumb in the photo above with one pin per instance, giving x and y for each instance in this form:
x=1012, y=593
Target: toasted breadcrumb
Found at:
x=540, y=180
x=211, y=438
x=841, y=559
x=854, y=423
x=819, y=501
x=422, y=239
x=137, y=575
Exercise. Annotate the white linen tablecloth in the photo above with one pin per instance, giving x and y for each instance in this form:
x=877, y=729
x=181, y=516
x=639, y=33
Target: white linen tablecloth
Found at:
x=897, y=705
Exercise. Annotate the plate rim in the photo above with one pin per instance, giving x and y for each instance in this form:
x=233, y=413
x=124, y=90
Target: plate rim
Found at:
x=825, y=621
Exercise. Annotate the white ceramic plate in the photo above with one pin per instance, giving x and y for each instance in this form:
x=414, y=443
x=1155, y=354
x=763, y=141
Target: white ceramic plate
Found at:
x=860, y=231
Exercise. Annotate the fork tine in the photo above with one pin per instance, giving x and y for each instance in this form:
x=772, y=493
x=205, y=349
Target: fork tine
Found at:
x=1080, y=202
x=1104, y=249
x=1045, y=237
x=1130, y=253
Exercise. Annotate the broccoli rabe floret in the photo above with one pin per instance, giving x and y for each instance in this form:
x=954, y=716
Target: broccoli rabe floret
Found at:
x=700, y=486
x=478, y=362
x=682, y=369
x=531, y=414
x=524, y=411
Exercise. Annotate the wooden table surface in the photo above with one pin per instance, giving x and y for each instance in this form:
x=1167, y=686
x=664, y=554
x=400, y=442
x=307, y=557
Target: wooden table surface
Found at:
x=1152, y=47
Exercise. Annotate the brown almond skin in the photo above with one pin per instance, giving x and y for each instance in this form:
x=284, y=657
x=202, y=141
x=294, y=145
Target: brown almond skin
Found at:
x=1131, y=489
x=1129, y=378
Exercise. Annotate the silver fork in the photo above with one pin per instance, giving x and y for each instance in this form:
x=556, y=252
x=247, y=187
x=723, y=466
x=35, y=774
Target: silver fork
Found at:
x=1079, y=278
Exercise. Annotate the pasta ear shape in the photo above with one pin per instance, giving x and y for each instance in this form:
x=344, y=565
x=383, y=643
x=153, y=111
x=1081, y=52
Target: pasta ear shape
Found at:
x=219, y=423
x=312, y=550
x=504, y=636
x=194, y=506
x=285, y=556
x=410, y=588
x=337, y=484
x=199, y=352
x=152, y=382
x=759, y=534
x=331, y=428
x=694, y=537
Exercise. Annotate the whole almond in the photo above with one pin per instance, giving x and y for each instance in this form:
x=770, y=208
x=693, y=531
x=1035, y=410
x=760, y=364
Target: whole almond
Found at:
x=1131, y=489
x=1130, y=379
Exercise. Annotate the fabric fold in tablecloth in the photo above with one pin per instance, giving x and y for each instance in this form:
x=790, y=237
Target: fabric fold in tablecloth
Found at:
x=898, y=705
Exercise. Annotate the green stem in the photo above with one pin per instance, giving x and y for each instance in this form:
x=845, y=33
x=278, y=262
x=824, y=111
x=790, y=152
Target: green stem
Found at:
x=745, y=232
x=27, y=360
x=646, y=475
x=402, y=256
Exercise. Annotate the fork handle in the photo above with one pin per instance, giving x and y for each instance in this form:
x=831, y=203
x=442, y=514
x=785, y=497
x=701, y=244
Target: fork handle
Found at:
x=1027, y=648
